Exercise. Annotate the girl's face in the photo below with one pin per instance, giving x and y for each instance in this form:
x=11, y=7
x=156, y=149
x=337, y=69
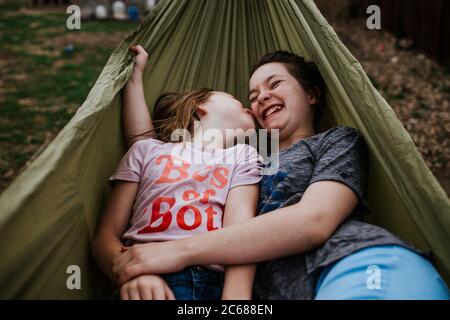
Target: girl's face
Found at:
x=227, y=112
x=279, y=101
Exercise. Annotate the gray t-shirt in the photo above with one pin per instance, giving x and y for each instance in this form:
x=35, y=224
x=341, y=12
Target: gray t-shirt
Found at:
x=338, y=154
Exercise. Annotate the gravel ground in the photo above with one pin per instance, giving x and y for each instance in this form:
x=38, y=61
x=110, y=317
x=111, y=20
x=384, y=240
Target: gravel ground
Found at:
x=416, y=87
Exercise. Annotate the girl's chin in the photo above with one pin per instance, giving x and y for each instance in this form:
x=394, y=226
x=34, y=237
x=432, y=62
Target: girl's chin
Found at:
x=271, y=130
x=272, y=125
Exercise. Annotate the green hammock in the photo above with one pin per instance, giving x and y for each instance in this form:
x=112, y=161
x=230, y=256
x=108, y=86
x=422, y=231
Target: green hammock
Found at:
x=48, y=215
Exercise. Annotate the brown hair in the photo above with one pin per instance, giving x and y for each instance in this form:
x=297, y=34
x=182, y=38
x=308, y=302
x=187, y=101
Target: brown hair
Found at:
x=178, y=110
x=306, y=73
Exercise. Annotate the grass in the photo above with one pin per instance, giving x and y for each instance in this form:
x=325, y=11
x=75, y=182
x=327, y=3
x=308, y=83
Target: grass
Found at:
x=41, y=86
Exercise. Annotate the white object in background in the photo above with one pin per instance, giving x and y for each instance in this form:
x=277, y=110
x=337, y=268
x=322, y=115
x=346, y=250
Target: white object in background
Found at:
x=150, y=4
x=87, y=13
x=119, y=10
x=100, y=12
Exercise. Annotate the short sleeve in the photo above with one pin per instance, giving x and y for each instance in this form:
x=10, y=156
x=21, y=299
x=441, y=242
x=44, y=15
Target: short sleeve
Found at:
x=130, y=166
x=248, y=167
x=342, y=157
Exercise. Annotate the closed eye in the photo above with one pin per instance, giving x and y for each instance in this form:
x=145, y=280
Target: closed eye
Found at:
x=272, y=86
x=275, y=84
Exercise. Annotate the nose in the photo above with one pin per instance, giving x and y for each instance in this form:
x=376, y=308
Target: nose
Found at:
x=247, y=110
x=264, y=96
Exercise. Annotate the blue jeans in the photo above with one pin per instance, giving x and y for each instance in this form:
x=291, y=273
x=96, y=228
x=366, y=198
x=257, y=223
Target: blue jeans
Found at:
x=195, y=283
x=192, y=283
x=381, y=272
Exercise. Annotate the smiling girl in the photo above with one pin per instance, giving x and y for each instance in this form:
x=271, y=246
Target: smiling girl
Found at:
x=166, y=190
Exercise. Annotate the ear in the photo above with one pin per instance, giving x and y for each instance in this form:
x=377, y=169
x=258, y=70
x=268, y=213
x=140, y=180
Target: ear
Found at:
x=314, y=96
x=201, y=111
x=313, y=100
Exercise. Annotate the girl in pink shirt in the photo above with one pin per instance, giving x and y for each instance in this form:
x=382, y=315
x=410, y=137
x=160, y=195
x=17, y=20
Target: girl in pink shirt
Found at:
x=164, y=190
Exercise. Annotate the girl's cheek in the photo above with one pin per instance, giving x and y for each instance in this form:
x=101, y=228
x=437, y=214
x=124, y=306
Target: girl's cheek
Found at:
x=254, y=110
x=283, y=91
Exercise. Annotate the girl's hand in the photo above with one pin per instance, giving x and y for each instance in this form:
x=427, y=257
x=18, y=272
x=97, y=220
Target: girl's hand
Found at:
x=149, y=258
x=141, y=58
x=147, y=287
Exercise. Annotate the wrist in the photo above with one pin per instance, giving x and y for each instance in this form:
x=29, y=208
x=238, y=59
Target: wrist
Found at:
x=236, y=296
x=237, y=290
x=189, y=251
x=112, y=271
x=136, y=75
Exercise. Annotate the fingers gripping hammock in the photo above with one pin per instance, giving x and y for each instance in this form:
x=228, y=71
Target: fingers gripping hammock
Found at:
x=49, y=213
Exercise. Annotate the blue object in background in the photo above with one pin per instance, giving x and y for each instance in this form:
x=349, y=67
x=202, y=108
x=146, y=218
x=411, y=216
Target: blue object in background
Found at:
x=69, y=49
x=133, y=13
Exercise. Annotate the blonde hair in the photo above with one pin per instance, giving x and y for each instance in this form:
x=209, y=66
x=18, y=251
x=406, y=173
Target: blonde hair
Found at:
x=178, y=110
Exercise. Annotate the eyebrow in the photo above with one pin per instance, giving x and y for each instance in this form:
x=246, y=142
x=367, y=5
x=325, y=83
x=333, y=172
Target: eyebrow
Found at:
x=267, y=80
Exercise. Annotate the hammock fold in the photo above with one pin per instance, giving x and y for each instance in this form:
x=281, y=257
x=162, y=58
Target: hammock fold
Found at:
x=48, y=215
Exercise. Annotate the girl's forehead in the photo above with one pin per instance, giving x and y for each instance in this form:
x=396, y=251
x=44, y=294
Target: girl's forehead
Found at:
x=268, y=71
x=223, y=94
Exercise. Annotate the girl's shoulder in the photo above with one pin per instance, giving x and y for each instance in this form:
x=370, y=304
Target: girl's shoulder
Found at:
x=248, y=155
x=340, y=140
x=335, y=134
x=147, y=143
x=330, y=136
x=246, y=150
x=147, y=146
x=245, y=147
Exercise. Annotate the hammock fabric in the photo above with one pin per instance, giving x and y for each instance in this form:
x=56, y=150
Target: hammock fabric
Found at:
x=48, y=215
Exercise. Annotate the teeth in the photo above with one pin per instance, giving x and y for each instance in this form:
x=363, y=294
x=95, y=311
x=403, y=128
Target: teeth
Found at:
x=271, y=110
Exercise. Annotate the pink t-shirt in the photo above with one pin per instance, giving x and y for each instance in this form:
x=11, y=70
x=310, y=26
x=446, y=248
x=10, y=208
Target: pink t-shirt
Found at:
x=182, y=187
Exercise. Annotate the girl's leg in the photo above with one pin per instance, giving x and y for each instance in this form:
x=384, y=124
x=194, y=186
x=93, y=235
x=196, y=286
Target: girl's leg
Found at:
x=196, y=283
x=208, y=284
x=381, y=272
x=416, y=278
x=181, y=284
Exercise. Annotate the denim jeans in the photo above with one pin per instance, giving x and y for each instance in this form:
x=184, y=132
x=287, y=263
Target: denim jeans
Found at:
x=196, y=283
x=192, y=283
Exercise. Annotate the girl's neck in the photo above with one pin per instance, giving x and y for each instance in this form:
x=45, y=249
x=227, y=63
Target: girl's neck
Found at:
x=213, y=143
x=210, y=135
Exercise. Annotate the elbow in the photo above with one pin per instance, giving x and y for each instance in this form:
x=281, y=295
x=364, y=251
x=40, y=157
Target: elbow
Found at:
x=319, y=237
x=321, y=230
x=99, y=249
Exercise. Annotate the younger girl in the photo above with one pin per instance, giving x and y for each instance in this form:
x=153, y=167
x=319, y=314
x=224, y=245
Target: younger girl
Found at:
x=165, y=190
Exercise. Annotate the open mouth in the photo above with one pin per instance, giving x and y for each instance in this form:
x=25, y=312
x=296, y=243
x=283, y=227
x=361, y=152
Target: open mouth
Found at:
x=271, y=111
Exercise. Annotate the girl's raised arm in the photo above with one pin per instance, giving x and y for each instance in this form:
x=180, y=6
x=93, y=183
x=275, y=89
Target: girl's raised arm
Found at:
x=137, y=121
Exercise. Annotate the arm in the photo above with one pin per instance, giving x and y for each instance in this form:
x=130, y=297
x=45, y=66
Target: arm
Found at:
x=240, y=206
x=137, y=121
x=282, y=232
x=106, y=245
